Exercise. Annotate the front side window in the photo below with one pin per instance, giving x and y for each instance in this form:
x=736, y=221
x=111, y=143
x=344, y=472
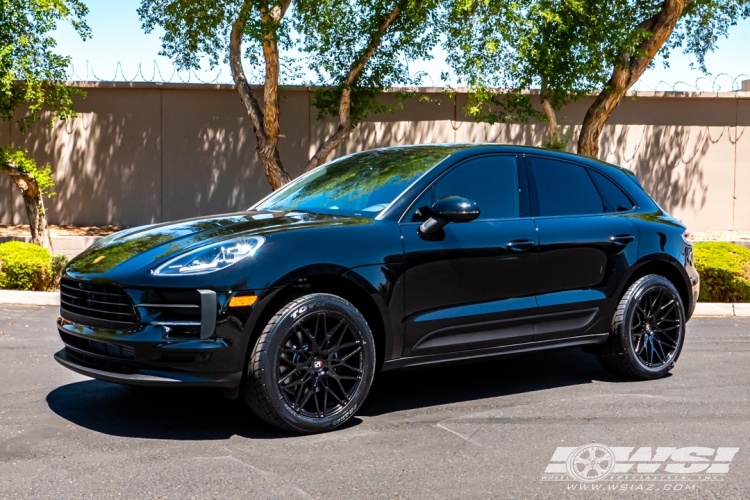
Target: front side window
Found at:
x=362, y=184
x=563, y=188
x=490, y=181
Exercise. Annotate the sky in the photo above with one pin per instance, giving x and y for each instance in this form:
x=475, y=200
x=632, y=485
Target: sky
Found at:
x=119, y=50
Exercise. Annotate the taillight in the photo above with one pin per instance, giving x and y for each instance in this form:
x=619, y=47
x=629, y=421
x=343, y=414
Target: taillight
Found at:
x=686, y=237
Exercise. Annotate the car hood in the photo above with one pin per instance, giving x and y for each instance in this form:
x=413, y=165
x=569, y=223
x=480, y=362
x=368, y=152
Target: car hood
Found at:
x=148, y=246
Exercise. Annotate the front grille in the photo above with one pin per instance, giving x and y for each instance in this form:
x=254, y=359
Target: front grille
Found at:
x=94, y=304
x=96, y=347
x=103, y=364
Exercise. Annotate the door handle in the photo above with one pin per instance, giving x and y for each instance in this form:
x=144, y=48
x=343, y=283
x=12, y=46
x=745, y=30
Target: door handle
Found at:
x=622, y=239
x=519, y=245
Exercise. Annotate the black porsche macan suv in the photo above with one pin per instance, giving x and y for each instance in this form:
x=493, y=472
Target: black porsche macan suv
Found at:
x=386, y=259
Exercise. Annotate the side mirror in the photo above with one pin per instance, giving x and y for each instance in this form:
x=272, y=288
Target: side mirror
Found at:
x=449, y=209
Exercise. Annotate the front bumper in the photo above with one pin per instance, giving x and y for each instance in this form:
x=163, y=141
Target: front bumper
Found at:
x=150, y=377
x=149, y=356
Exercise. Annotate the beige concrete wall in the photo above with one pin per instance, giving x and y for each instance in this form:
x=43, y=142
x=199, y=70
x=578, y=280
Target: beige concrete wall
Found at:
x=142, y=153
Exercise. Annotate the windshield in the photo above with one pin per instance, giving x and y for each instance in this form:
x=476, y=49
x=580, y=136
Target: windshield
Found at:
x=360, y=184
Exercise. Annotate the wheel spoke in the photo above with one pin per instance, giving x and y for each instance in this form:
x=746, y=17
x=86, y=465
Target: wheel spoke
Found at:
x=666, y=308
x=639, y=308
x=300, y=381
x=670, y=328
x=355, y=351
x=658, y=352
x=639, y=345
x=656, y=303
x=348, y=345
x=301, y=390
x=336, y=346
x=332, y=331
x=324, y=383
x=333, y=393
x=315, y=397
x=310, y=337
x=664, y=343
x=308, y=393
x=281, y=382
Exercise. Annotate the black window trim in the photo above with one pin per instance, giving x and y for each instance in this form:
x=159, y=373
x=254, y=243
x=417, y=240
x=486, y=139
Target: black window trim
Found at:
x=534, y=195
x=522, y=179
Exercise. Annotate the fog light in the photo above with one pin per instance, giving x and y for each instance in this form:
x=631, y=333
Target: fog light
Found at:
x=242, y=300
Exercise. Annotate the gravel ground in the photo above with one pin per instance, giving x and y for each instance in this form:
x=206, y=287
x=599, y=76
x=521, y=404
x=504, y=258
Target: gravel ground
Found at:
x=481, y=431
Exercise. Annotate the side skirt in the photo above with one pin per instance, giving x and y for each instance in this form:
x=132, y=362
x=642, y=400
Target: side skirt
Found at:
x=493, y=352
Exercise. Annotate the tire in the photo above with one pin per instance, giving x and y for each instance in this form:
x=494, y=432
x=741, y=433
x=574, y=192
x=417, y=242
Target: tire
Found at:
x=648, y=330
x=313, y=365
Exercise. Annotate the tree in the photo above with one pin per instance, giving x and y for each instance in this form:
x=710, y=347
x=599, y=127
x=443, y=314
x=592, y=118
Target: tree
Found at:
x=654, y=28
x=508, y=50
x=217, y=30
x=359, y=47
x=571, y=48
x=32, y=81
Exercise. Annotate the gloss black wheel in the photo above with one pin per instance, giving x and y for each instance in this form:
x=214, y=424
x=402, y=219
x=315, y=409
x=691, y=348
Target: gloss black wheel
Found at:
x=648, y=330
x=656, y=326
x=320, y=364
x=312, y=367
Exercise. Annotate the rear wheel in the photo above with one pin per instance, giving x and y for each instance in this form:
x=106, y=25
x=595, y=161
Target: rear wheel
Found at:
x=648, y=330
x=312, y=366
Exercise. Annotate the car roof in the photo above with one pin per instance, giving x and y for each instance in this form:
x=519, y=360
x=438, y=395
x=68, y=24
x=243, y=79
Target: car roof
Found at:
x=472, y=148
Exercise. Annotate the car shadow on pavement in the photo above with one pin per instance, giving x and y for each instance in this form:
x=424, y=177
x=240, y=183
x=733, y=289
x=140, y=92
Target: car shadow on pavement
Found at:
x=203, y=414
x=407, y=390
x=156, y=413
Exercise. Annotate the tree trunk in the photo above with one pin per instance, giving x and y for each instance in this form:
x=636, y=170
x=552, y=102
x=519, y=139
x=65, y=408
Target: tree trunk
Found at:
x=34, y=204
x=345, y=104
x=549, y=112
x=628, y=70
x=266, y=121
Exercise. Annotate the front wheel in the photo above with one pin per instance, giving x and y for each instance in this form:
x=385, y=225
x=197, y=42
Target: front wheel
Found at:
x=648, y=330
x=312, y=366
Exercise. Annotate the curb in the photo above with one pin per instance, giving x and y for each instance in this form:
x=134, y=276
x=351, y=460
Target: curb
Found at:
x=29, y=298
x=719, y=309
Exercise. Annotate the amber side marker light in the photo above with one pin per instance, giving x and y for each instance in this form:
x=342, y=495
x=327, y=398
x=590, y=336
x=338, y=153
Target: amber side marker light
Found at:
x=242, y=300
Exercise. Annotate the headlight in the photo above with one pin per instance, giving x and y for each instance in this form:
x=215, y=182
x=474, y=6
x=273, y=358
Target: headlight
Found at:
x=211, y=258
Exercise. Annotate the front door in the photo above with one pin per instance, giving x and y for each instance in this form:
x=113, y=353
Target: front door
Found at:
x=472, y=286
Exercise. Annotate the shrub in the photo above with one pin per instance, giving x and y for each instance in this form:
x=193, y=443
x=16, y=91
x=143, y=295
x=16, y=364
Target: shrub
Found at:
x=59, y=261
x=725, y=272
x=24, y=266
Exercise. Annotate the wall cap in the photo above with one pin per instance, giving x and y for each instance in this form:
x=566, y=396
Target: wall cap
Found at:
x=418, y=90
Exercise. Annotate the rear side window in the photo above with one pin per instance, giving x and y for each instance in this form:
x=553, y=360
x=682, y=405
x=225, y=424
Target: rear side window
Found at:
x=563, y=188
x=615, y=200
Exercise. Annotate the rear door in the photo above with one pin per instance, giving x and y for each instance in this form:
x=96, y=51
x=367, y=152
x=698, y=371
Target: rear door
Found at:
x=472, y=286
x=585, y=246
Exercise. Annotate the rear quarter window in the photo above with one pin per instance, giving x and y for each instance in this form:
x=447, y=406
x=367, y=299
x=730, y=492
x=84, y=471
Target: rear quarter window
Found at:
x=615, y=200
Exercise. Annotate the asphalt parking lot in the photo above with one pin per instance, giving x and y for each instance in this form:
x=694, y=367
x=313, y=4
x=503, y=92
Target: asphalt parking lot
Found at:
x=483, y=431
